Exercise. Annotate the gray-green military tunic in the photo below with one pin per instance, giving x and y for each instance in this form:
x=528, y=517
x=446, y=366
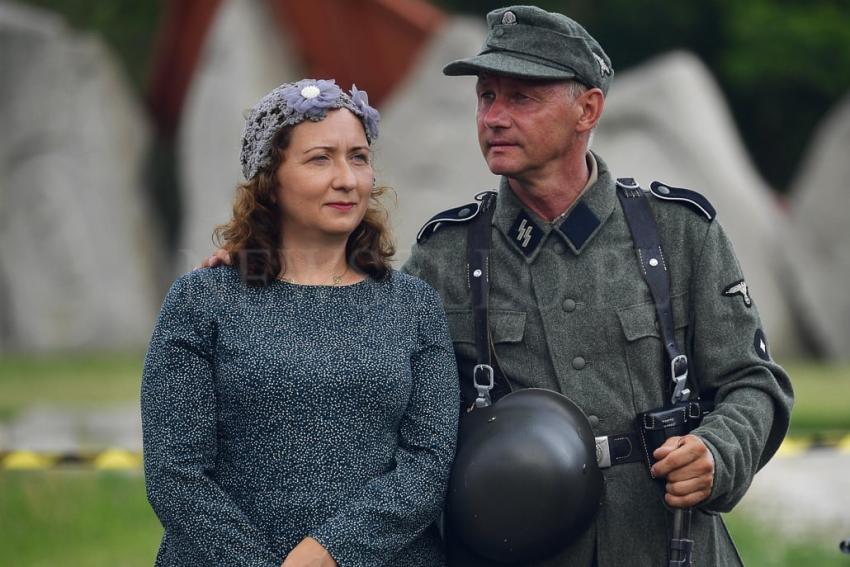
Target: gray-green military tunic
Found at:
x=571, y=312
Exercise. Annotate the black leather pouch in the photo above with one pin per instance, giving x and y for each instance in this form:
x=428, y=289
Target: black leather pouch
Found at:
x=656, y=426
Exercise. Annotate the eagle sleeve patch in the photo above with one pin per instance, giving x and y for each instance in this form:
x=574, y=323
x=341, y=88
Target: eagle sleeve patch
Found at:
x=739, y=288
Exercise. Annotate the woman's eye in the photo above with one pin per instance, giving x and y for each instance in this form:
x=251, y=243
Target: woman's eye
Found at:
x=319, y=159
x=361, y=158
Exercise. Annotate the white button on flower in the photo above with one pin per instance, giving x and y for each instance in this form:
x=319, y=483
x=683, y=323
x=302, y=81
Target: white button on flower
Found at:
x=311, y=91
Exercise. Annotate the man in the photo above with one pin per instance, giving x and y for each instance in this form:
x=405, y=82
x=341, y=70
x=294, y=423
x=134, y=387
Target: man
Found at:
x=569, y=308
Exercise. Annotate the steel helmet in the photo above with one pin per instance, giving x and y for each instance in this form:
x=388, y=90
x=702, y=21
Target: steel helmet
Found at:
x=525, y=481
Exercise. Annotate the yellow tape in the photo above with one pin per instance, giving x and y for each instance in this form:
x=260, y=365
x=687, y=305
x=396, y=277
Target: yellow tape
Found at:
x=27, y=460
x=117, y=459
x=109, y=459
x=793, y=446
x=122, y=459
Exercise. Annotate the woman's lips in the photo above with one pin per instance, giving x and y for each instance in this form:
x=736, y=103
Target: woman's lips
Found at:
x=341, y=206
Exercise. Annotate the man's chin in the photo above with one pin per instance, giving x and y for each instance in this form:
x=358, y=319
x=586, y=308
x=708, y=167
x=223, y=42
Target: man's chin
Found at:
x=500, y=167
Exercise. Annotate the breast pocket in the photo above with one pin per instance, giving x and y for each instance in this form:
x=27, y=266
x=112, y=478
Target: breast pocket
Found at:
x=646, y=360
x=507, y=330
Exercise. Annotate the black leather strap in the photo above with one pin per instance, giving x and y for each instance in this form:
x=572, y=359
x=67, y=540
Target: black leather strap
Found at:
x=653, y=265
x=478, y=278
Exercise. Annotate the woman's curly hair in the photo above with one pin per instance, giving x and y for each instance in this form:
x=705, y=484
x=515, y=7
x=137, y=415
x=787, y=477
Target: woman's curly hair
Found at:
x=252, y=236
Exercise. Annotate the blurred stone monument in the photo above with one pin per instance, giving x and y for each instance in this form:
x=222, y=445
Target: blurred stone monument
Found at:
x=77, y=242
x=820, y=229
x=666, y=120
x=428, y=150
x=245, y=55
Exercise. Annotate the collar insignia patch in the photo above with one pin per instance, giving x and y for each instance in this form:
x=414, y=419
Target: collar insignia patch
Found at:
x=579, y=225
x=525, y=234
x=739, y=288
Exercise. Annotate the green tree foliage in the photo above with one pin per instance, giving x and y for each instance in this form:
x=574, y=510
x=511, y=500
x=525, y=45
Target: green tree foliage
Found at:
x=782, y=64
x=128, y=26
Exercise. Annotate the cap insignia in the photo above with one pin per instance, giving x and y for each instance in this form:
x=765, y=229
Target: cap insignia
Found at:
x=603, y=66
x=508, y=18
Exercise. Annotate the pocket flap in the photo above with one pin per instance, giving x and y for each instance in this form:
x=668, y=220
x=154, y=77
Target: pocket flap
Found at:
x=638, y=321
x=505, y=326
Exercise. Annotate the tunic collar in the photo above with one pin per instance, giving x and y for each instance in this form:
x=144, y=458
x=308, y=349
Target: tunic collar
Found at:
x=527, y=232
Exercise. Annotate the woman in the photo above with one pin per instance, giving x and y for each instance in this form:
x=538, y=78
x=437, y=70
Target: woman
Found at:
x=300, y=408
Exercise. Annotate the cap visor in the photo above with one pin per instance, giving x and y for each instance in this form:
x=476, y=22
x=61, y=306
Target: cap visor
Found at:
x=500, y=63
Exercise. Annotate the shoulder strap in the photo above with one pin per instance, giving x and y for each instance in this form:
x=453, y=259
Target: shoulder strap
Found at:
x=462, y=214
x=478, y=279
x=651, y=258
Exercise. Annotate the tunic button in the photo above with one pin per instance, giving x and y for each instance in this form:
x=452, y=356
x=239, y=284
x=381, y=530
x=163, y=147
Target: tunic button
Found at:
x=594, y=421
x=578, y=363
x=569, y=305
x=559, y=248
x=463, y=213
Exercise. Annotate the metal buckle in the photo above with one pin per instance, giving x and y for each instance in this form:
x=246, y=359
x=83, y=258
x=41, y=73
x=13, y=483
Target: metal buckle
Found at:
x=680, y=380
x=603, y=452
x=483, y=400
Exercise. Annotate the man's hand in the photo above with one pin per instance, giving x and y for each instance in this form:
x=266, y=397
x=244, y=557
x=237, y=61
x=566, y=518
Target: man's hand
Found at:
x=219, y=258
x=688, y=466
x=309, y=553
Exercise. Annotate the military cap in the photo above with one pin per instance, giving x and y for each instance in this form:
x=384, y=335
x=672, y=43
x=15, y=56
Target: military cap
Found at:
x=530, y=43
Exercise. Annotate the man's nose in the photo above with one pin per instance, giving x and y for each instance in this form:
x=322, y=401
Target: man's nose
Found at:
x=495, y=115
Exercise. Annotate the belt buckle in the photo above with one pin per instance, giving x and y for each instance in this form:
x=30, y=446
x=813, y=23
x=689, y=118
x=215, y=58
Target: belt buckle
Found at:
x=483, y=400
x=603, y=452
x=680, y=379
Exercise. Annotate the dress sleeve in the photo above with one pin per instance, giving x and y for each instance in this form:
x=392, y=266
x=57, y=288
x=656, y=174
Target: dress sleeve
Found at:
x=397, y=506
x=731, y=359
x=179, y=430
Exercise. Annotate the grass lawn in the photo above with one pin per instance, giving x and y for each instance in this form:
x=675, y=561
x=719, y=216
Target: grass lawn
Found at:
x=76, y=518
x=822, y=405
x=91, y=519
x=759, y=546
x=77, y=380
x=96, y=519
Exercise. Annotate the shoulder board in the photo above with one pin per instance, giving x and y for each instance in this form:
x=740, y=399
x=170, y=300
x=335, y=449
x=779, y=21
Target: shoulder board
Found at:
x=462, y=214
x=686, y=197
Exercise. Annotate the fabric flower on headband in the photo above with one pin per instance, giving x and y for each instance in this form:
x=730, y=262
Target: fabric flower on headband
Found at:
x=311, y=98
x=292, y=103
x=371, y=117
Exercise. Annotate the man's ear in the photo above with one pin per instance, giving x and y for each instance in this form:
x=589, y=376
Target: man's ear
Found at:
x=592, y=103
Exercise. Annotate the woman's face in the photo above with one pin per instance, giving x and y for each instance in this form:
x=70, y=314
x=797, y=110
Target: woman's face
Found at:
x=325, y=180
